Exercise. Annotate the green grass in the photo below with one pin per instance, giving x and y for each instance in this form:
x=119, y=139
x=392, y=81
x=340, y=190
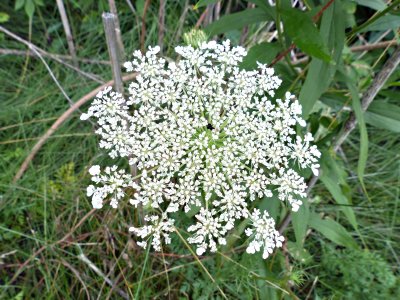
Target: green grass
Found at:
x=50, y=199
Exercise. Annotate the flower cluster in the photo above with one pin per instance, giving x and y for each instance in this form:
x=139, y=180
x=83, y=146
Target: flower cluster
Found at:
x=206, y=137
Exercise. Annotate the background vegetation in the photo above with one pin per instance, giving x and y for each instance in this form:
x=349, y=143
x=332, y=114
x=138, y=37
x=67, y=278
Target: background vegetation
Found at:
x=343, y=243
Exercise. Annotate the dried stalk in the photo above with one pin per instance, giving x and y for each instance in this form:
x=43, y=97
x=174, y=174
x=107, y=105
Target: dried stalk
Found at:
x=201, y=19
x=161, y=24
x=113, y=10
x=358, y=48
x=378, y=82
x=217, y=10
x=143, y=31
x=67, y=30
x=182, y=21
x=245, y=30
x=109, y=22
x=209, y=15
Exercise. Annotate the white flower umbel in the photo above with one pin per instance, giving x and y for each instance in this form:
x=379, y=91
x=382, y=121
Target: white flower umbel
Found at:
x=159, y=227
x=263, y=234
x=205, y=136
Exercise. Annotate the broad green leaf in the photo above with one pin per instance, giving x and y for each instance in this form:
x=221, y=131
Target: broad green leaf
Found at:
x=262, y=53
x=333, y=231
x=356, y=103
x=29, y=8
x=383, y=115
x=334, y=188
x=19, y=4
x=271, y=205
x=264, y=5
x=301, y=29
x=374, y=4
x=334, y=167
x=139, y=7
x=4, y=17
x=384, y=23
x=320, y=73
x=298, y=252
x=202, y=3
x=237, y=21
x=300, y=223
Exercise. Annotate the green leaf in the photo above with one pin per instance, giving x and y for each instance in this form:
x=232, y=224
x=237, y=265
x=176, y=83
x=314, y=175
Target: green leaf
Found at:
x=262, y=53
x=140, y=7
x=29, y=8
x=202, y=3
x=19, y=4
x=237, y=21
x=39, y=2
x=271, y=205
x=300, y=222
x=356, y=102
x=4, y=17
x=374, y=4
x=383, y=115
x=301, y=29
x=384, y=23
x=333, y=231
x=333, y=187
x=298, y=253
x=264, y=5
x=320, y=73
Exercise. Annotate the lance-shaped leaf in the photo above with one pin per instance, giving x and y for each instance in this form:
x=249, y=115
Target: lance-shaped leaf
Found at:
x=320, y=73
x=262, y=53
x=333, y=231
x=301, y=29
x=383, y=115
x=238, y=20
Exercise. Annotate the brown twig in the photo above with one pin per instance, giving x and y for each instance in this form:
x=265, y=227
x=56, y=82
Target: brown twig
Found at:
x=161, y=24
x=109, y=22
x=113, y=10
x=292, y=46
x=51, y=55
x=321, y=11
x=67, y=31
x=33, y=47
x=369, y=47
x=209, y=17
x=282, y=54
x=378, y=82
x=217, y=11
x=201, y=19
x=182, y=21
x=143, y=32
x=359, y=48
x=60, y=121
x=245, y=30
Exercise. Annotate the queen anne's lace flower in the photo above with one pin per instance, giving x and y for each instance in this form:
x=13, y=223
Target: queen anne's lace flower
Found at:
x=205, y=136
x=263, y=234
